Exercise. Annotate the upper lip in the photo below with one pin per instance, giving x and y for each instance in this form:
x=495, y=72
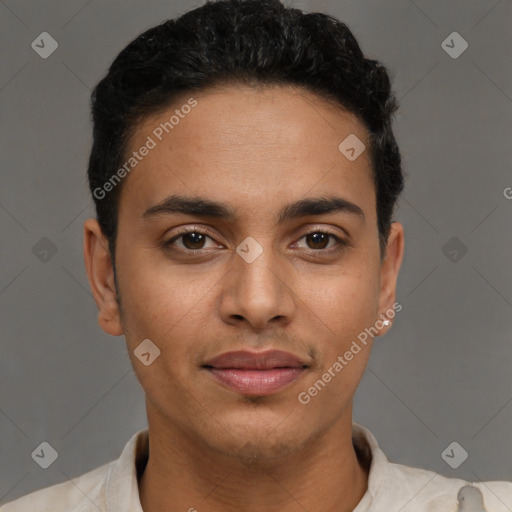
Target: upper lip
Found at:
x=246, y=360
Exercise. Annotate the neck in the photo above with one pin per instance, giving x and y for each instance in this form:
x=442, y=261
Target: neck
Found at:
x=182, y=475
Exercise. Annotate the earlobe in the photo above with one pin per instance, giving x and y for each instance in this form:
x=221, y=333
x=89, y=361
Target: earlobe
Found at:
x=100, y=273
x=390, y=269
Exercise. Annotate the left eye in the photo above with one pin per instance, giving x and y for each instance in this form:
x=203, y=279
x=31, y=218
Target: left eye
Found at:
x=320, y=239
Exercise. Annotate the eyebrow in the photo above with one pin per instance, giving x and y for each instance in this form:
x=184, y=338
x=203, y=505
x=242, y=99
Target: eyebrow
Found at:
x=203, y=207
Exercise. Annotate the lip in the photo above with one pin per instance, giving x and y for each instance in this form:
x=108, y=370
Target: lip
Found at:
x=256, y=373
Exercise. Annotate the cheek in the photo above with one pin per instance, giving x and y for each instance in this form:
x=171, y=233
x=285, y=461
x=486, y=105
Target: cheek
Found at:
x=163, y=302
x=338, y=314
x=344, y=302
x=168, y=308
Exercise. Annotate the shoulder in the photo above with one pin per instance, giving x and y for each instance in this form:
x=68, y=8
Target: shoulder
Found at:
x=115, y=481
x=393, y=486
x=81, y=494
x=417, y=489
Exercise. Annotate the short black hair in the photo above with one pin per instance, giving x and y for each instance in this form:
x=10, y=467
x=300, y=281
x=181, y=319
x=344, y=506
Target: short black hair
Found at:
x=241, y=42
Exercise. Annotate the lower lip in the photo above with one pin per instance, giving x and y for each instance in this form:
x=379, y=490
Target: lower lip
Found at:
x=256, y=382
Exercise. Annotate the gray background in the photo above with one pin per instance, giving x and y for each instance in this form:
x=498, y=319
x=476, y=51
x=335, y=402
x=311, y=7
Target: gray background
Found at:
x=442, y=374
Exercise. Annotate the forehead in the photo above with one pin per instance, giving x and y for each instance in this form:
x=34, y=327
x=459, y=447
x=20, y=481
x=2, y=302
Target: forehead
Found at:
x=250, y=144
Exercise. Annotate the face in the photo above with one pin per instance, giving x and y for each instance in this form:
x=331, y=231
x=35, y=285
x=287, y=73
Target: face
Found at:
x=249, y=273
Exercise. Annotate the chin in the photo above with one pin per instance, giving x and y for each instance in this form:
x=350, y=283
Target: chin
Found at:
x=259, y=451
x=258, y=444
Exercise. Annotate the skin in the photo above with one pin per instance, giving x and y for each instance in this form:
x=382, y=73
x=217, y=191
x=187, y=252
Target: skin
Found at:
x=212, y=448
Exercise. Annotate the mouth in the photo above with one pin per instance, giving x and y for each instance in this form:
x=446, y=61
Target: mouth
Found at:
x=256, y=373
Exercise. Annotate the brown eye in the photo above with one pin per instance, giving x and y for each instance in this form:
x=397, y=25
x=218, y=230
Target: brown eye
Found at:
x=321, y=243
x=193, y=240
x=318, y=240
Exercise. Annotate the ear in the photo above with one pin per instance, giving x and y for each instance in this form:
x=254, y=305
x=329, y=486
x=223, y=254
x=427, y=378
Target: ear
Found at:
x=101, y=277
x=390, y=268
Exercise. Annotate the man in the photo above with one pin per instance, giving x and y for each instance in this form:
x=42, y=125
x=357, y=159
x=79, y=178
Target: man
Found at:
x=245, y=173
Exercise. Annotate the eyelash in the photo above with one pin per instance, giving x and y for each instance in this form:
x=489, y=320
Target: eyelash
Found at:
x=168, y=245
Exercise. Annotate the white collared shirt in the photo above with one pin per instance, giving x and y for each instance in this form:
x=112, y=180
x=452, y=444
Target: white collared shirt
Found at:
x=392, y=487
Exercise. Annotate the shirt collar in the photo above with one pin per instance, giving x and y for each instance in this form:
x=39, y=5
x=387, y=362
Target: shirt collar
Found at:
x=368, y=449
x=122, y=491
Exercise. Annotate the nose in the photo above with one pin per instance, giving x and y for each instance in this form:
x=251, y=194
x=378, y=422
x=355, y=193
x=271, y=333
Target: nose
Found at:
x=259, y=293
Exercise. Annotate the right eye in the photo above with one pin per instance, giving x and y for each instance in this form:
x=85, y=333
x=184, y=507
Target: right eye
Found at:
x=192, y=241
